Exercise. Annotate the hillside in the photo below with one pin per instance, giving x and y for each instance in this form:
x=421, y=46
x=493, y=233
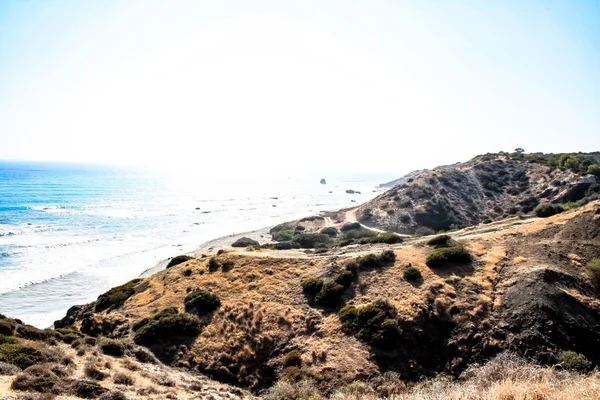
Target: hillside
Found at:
x=487, y=188
x=250, y=317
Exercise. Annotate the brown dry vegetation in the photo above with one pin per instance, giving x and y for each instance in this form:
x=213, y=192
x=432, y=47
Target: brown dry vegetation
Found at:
x=455, y=316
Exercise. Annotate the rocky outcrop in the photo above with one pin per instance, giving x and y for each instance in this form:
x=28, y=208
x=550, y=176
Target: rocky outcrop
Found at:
x=482, y=190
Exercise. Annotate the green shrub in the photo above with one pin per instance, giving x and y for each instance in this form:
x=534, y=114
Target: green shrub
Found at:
x=244, y=242
x=387, y=238
x=312, y=286
x=412, y=274
x=33, y=333
x=570, y=205
x=112, y=347
x=283, y=236
x=440, y=241
x=574, y=361
x=286, y=245
x=22, y=356
x=213, y=264
x=165, y=327
x=7, y=339
x=116, y=296
x=292, y=359
x=376, y=260
x=7, y=327
x=548, y=210
x=424, y=231
x=313, y=240
x=455, y=254
x=593, y=189
x=359, y=234
x=374, y=323
x=329, y=231
x=330, y=294
x=350, y=226
x=594, y=271
x=178, y=260
x=594, y=169
x=201, y=302
x=344, y=278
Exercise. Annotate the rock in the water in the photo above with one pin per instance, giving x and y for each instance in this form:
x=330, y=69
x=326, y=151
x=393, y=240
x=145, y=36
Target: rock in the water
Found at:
x=323, y=181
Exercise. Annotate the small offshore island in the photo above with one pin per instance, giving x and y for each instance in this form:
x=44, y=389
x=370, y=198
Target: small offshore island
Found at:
x=475, y=280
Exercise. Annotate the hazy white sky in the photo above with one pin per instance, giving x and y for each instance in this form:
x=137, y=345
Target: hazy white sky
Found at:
x=322, y=85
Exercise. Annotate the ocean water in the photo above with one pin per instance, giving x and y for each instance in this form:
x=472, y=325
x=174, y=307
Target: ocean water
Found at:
x=70, y=232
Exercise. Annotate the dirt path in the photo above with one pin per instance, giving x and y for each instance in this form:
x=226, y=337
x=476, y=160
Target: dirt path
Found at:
x=351, y=217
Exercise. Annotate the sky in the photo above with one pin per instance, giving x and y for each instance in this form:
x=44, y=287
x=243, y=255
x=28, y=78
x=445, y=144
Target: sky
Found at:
x=317, y=85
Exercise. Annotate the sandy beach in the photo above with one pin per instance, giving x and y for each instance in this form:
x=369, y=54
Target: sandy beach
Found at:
x=260, y=235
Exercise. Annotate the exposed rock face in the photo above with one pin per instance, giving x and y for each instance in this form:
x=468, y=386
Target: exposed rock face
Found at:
x=484, y=189
x=323, y=181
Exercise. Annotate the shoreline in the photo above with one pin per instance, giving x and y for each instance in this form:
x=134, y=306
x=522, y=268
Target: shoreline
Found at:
x=214, y=244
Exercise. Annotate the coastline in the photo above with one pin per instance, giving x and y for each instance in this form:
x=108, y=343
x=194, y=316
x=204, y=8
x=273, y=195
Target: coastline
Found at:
x=260, y=235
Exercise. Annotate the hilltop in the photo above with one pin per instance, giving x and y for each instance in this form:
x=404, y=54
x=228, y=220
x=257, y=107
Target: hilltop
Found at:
x=487, y=188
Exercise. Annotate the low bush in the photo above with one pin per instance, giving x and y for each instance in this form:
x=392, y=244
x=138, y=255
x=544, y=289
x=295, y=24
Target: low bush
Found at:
x=112, y=395
x=201, y=302
x=112, y=347
x=571, y=360
x=7, y=339
x=245, y=242
x=350, y=226
x=312, y=286
x=594, y=271
x=440, y=241
x=385, y=237
x=167, y=326
x=548, y=210
x=290, y=389
x=374, y=323
x=455, y=254
x=144, y=356
x=283, y=236
x=33, y=333
x=115, y=296
x=359, y=234
x=571, y=205
x=424, y=231
x=330, y=294
x=213, y=264
x=412, y=274
x=376, y=260
x=87, y=389
x=7, y=327
x=313, y=240
x=91, y=371
x=292, y=359
x=178, y=260
x=286, y=245
x=329, y=231
x=8, y=369
x=121, y=378
x=41, y=380
x=344, y=278
x=23, y=356
x=593, y=189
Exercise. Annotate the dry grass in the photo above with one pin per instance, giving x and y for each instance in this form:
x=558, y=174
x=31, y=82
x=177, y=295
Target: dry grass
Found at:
x=506, y=377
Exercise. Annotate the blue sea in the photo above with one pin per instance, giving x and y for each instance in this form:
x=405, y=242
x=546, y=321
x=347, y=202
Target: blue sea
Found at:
x=70, y=232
